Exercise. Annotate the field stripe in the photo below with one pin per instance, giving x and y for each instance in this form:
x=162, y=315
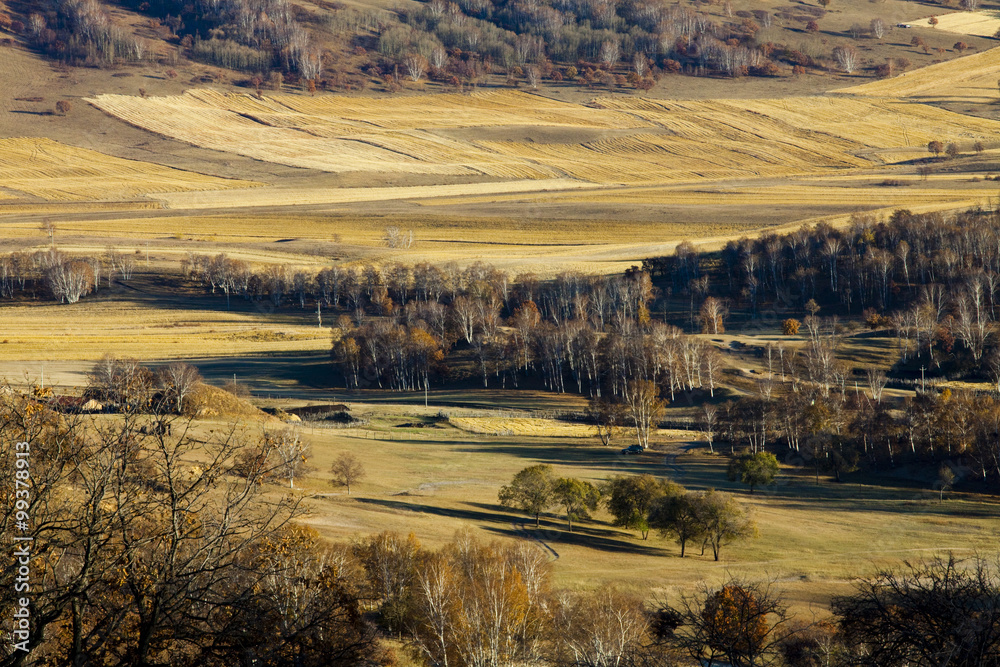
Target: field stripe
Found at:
x=300, y=196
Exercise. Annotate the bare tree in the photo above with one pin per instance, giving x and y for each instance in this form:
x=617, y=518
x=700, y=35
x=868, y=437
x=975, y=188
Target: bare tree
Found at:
x=605, y=627
x=645, y=406
x=415, y=65
x=846, y=57
x=610, y=53
x=532, y=75
x=396, y=238
x=69, y=280
x=292, y=454
x=709, y=421
x=713, y=313
x=439, y=57
x=346, y=470
x=608, y=416
x=640, y=64
x=876, y=382
x=877, y=28
x=177, y=380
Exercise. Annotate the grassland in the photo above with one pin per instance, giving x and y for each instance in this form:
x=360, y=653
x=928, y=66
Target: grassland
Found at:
x=813, y=537
x=150, y=321
x=969, y=80
x=655, y=141
x=980, y=24
x=56, y=172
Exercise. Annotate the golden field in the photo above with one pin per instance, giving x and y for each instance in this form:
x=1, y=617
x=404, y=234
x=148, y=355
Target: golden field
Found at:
x=982, y=23
x=971, y=79
x=666, y=141
x=54, y=171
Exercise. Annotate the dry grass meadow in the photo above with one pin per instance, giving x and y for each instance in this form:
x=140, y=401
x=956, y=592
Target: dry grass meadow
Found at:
x=814, y=538
x=530, y=182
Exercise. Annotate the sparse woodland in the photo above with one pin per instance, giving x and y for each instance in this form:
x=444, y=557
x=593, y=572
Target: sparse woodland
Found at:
x=614, y=45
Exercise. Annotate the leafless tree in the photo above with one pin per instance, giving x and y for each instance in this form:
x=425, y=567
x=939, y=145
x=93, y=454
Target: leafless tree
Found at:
x=396, y=238
x=846, y=57
x=177, y=380
x=610, y=53
x=877, y=28
x=645, y=406
x=415, y=65
x=709, y=421
x=346, y=470
x=640, y=64
x=69, y=280
x=291, y=452
x=876, y=382
x=439, y=57
x=532, y=76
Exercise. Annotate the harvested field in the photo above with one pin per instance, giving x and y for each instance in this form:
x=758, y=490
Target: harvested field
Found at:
x=301, y=196
x=981, y=24
x=668, y=141
x=57, y=172
x=971, y=79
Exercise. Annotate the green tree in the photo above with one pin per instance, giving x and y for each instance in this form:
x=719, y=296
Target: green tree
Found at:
x=577, y=497
x=679, y=515
x=531, y=491
x=758, y=469
x=631, y=499
x=724, y=520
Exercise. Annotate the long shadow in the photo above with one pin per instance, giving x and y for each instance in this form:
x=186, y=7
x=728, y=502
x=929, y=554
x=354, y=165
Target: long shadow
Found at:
x=925, y=505
x=554, y=530
x=602, y=458
x=584, y=534
x=274, y=370
x=583, y=537
x=467, y=514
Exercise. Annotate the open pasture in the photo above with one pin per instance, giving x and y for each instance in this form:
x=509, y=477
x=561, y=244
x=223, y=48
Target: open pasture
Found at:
x=147, y=321
x=57, y=172
x=813, y=537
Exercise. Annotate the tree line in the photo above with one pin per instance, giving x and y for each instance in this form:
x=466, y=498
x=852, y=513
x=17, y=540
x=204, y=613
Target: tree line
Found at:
x=64, y=277
x=931, y=278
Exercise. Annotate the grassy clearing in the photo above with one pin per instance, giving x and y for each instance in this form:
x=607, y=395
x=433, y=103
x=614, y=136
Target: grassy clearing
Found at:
x=813, y=538
x=151, y=322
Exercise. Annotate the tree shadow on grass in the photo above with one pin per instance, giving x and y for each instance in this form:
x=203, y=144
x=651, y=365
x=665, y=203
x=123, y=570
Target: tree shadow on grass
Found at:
x=582, y=536
x=604, y=458
x=554, y=531
x=452, y=512
x=550, y=531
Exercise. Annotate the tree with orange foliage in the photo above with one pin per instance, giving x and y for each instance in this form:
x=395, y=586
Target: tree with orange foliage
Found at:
x=742, y=623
